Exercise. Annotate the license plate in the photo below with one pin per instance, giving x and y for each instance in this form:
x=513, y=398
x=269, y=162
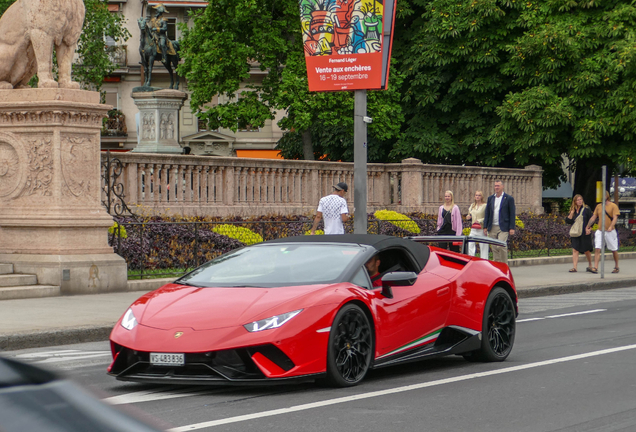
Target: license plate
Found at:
x=167, y=359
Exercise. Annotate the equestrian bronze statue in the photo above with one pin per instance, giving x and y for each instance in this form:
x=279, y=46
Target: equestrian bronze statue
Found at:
x=155, y=45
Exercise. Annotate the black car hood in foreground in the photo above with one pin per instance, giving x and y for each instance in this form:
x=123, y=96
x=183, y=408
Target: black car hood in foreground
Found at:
x=32, y=399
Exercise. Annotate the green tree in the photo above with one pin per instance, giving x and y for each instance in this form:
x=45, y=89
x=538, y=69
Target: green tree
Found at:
x=509, y=83
x=249, y=55
x=4, y=5
x=93, y=63
x=451, y=55
x=575, y=66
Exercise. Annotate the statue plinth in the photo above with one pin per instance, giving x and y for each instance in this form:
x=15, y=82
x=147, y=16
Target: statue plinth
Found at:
x=159, y=120
x=51, y=217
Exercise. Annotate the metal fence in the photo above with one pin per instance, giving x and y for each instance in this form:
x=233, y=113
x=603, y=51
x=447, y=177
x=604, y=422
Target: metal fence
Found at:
x=161, y=249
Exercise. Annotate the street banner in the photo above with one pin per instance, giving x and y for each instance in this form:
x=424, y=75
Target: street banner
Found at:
x=347, y=43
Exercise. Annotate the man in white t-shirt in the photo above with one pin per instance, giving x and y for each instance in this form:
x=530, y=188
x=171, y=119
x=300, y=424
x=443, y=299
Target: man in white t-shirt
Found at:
x=333, y=208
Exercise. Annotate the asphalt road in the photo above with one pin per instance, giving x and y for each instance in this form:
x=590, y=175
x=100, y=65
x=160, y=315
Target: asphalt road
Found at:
x=572, y=369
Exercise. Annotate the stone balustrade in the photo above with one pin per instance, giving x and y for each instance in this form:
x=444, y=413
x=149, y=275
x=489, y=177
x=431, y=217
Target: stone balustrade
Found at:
x=212, y=186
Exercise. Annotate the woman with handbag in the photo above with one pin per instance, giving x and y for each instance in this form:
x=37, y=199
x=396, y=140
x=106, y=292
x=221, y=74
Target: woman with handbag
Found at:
x=449, y=219
x=476, y=214
x=579, y=216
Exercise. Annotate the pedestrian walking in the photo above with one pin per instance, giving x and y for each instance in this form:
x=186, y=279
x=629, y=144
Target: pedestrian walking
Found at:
x=333, y=208
x=611, y=235
x=449, y=219
x=578, y=217
x=476, y=214
x=499, y=221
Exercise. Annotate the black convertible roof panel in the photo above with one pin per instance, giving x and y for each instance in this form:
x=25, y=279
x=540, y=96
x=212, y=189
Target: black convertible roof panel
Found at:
x=419, y=251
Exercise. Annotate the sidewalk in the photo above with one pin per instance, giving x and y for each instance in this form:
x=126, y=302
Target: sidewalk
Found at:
x=53, y=321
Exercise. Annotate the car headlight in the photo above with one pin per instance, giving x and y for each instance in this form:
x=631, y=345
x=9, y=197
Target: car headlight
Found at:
x=129, y=321
x=271, y=322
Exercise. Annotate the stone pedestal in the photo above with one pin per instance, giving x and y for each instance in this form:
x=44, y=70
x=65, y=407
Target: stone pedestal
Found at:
x=159, y=120
x=52, y=222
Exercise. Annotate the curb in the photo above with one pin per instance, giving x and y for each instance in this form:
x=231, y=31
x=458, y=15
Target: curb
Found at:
x=148, y=284
x=544, y=291
x=55, y=337
x=562, y=259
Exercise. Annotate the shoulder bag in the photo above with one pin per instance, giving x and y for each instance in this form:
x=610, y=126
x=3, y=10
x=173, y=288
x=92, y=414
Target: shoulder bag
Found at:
x=577, y=226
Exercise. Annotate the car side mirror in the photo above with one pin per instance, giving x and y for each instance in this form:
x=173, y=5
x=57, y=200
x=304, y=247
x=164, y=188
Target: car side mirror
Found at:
x=396, y=279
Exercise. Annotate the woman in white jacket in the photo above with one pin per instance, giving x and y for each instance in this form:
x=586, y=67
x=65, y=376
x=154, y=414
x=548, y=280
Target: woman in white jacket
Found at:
x=476, y=214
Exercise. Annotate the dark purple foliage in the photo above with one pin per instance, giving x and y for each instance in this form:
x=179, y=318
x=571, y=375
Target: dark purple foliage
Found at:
x=161, y=243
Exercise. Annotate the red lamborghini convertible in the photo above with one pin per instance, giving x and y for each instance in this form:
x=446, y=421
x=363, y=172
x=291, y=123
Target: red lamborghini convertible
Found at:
x=305, y=308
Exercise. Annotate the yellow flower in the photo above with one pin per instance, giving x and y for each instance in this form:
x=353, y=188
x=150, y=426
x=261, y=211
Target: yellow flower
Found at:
x=122, y=230
x=466, y=231
x=241, y=234
x=398, y=219
x=318, y=232
x=519, y=223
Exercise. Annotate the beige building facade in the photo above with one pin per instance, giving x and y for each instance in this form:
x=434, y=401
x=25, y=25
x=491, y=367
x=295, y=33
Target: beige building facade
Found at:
x=121, y=132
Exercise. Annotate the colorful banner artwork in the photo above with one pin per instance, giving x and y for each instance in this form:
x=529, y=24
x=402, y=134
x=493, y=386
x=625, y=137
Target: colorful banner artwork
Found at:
x=344, y=42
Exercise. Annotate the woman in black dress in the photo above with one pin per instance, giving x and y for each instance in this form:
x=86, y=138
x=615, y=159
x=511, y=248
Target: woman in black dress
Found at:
x=582, y=243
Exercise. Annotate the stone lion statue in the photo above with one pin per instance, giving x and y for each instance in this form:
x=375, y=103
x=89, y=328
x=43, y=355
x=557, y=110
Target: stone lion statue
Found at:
x=29, y=30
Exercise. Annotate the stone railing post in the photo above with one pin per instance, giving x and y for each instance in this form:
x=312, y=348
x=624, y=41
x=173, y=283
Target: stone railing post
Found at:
x=130, y=189
x=228, y=186
x=314, y=187
x=535, y=198
x=412, y=170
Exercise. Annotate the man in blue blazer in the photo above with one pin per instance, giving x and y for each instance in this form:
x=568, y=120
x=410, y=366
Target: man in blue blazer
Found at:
x=500, y=220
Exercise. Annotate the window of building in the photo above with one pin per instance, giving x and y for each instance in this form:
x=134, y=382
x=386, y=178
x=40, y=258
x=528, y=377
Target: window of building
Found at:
x=202, y=126
x=111, y=98
x=172, y=28
x=244, y=127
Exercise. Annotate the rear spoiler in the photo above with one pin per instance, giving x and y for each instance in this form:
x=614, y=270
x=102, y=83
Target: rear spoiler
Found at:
x=457, y=240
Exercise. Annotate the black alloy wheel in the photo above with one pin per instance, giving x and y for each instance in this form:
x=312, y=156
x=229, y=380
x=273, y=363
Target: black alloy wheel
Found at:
x=350, y=347
x=498, y=328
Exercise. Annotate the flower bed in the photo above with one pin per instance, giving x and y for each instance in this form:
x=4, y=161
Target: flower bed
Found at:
x=179, y=244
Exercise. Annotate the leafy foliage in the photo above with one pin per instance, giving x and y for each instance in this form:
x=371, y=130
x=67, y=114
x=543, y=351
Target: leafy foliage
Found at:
x=574, y=64
x=505, y=83
x=4, y=5
x=231, y=40
x=155, y=244
x=92, y=63
x=451, y=54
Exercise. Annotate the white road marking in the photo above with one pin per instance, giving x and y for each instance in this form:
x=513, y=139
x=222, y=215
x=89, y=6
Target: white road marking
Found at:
x=159, y=393
x=46, y=354
x=576, y=313
x=84, y=356
x=61, y=356
x=530, y=319
x=562, y=315
x=402, y=389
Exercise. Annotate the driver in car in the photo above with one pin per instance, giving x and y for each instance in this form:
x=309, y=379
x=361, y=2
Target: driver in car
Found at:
x=373, y=268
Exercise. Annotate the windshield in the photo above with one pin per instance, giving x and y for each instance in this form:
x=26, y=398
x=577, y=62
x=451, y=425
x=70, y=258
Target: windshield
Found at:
x=276, y=264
